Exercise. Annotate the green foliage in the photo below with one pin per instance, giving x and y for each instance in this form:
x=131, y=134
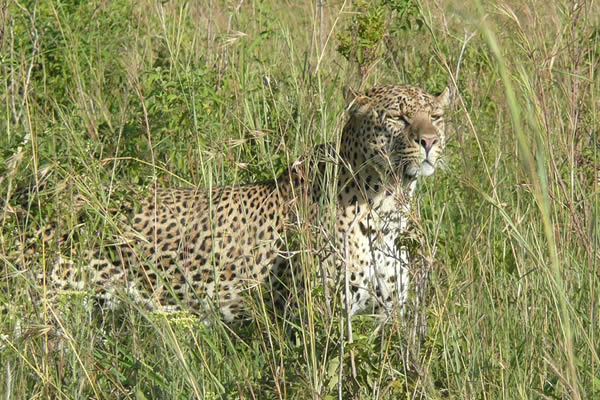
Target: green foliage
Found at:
x=372, y=25
x=362, y=40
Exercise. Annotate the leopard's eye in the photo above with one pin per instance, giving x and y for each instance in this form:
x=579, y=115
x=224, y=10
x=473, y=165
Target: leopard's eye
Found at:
x=436, y=117
x=401, y=118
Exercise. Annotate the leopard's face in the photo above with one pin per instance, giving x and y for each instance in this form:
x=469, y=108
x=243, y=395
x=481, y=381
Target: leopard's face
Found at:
x=400, y=129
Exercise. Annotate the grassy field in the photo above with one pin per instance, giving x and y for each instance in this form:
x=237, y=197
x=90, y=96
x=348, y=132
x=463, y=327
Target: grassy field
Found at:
x=174, y=93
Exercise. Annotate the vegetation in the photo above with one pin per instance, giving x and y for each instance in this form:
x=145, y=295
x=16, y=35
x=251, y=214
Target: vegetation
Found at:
x=99, y=94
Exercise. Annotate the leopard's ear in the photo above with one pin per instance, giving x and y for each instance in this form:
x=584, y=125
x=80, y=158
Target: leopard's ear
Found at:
x=356, y=104
x=349, y=95
x=444, y=99
x=361, y=106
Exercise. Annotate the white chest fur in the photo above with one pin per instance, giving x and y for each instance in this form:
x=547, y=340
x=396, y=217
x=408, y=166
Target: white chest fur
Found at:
x=384, y=282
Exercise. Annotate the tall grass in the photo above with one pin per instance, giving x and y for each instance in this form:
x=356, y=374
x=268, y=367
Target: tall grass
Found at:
x=99, y=95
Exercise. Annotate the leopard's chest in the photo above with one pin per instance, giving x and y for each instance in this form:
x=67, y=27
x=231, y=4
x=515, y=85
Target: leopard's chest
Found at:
x=379, y=267
x=388, y=217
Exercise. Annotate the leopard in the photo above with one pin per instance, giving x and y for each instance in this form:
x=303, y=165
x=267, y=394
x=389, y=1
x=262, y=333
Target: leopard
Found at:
x=202, y=249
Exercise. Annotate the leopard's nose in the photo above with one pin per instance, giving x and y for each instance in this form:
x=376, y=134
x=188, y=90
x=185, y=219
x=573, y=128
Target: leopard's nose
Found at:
x=427, y=142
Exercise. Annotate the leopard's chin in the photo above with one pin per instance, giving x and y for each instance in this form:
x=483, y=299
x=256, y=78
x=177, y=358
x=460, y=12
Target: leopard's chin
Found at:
x=414, y=170
x=427, y=168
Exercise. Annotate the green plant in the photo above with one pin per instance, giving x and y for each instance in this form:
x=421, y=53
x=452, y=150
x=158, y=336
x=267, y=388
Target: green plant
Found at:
x=372, y=24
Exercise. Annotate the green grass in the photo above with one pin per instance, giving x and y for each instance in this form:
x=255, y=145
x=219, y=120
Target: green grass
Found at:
x=174, y=94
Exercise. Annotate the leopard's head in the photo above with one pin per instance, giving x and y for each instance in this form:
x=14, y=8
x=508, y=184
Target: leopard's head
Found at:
x=396, y=129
